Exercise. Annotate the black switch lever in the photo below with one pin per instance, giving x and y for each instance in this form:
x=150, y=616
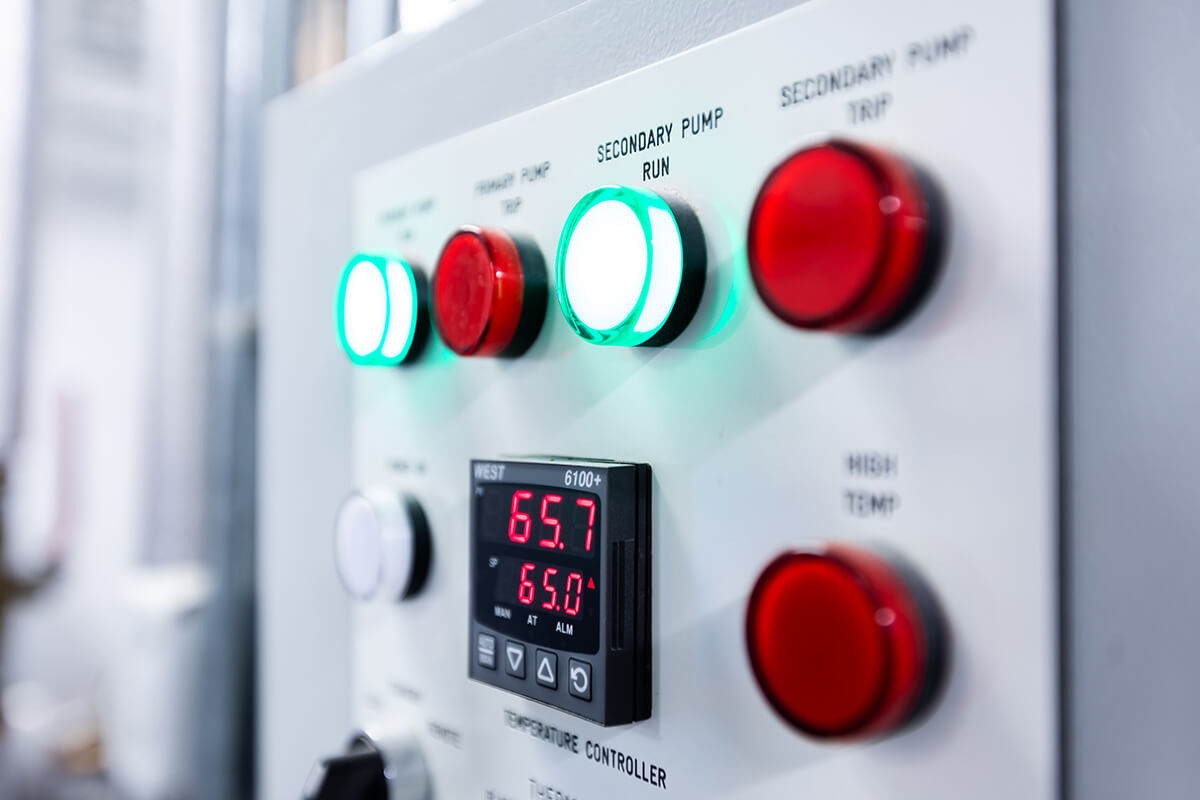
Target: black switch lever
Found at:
x=354, y=776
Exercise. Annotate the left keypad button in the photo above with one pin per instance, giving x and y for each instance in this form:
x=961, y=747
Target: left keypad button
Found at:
x=485, y=649
x=547, y=669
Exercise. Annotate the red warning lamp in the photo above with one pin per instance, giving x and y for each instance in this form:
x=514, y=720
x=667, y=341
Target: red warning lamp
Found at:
x=844, y=237
x=489, y=293
x=844, y=643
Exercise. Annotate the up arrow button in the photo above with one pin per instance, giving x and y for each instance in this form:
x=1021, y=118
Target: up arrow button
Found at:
x=547, y=669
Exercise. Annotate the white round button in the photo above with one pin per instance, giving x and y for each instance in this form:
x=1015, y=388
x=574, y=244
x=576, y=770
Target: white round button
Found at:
x=381, y=545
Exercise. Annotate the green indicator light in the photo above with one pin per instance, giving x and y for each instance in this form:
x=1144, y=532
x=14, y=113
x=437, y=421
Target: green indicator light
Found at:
x=630, y=267
x=381, y=310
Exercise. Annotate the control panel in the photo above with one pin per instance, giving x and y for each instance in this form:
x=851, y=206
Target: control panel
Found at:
x=560, y=584
x=704, y=426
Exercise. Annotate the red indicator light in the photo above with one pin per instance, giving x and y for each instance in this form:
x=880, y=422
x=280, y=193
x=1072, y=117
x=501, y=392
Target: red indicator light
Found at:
x=489, y=293
x=843, y=643
x=843, y=237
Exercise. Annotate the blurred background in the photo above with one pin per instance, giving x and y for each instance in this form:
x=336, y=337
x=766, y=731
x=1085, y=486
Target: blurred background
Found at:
x=128, y=168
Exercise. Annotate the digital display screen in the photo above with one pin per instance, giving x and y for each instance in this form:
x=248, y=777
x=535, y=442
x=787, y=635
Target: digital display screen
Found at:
x=538, y=564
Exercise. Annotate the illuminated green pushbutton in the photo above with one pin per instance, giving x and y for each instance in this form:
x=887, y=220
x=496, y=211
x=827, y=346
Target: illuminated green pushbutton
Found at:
x=382, y=312
x=630, y=267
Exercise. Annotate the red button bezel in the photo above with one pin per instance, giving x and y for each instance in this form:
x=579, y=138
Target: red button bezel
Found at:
x=893, y=629
x=869, y=250
x=485, y=294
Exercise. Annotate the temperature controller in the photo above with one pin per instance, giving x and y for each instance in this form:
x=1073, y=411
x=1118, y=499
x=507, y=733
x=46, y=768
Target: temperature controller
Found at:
x=560, y=584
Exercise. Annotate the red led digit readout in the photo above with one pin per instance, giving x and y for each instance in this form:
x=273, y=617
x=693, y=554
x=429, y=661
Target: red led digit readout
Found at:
x=590, y=505
x=567, y=607
x=520, y=516
x=552, y=603
x=551, y=543
x=526, y=584
x=563, y=520
x=571, y=601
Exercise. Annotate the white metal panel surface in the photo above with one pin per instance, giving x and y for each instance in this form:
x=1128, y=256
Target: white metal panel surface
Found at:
x=314, y=142
x=747, y=422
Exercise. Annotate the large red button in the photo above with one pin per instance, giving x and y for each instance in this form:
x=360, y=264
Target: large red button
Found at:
x=843, y=237
x=843, y=643
x=489, y=293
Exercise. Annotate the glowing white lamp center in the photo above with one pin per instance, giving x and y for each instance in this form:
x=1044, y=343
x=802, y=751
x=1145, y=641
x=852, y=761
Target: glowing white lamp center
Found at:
x=627, y=272
x=402, y=295
x=380, y=310
x=365, y=308
x=606, y=265
x=667, y=274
